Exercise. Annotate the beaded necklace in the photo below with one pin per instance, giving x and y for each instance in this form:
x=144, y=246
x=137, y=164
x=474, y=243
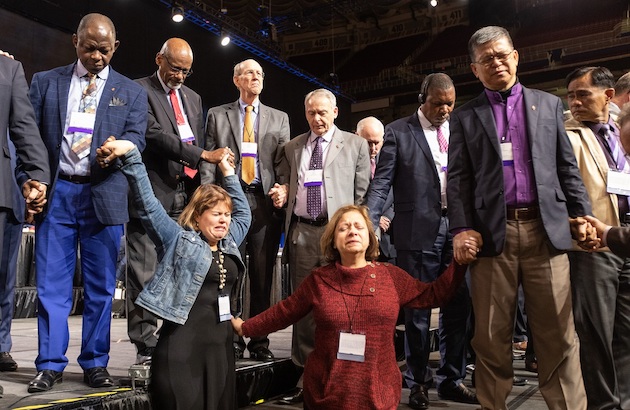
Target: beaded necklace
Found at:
x=222, y=270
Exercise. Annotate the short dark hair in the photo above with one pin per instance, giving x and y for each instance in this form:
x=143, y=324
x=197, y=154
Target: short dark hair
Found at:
x=485, y=35
x=600, y=76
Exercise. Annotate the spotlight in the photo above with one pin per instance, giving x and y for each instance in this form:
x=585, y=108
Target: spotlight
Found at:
x=433, y=3
x=177, y=14
x=225, y=39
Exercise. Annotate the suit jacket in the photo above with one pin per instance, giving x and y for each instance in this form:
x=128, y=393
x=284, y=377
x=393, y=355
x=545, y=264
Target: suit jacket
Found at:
x=475, y=174
x=407, y=165
x=346, y=171
x=618, y=240
x=121, y=112
x=18, y=120
x=224, y=129
x=166, y=155
x=593, y=166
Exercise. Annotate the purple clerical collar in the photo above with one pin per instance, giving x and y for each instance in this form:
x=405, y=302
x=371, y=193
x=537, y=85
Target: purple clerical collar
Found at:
x=502, y=96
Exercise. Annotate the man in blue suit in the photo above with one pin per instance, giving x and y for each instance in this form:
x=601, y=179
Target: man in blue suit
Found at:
x=77, y=107
x=413, y=162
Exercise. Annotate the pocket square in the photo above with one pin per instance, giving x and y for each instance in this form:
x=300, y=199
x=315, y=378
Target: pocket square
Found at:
x=117, y=102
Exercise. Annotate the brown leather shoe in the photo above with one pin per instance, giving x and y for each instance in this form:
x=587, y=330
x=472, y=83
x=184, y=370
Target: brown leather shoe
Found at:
x=458, y=393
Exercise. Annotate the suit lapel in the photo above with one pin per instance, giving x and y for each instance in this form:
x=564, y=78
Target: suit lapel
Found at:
x=263, y=122
x=484, y=112
x=335, y=147
x=421, y=139
x=63, y=89
x=111, y=86
x=234, y=119
x=158, y=92
x=532, y=103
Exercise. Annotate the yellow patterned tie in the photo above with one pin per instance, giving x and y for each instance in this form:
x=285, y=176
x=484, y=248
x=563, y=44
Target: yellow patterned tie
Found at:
x=248, y=162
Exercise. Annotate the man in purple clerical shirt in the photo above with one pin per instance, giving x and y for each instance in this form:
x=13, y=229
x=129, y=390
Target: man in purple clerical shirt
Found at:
x=512, y=185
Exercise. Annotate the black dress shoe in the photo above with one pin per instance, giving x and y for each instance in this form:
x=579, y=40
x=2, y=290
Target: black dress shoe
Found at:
x=7, y=364
x=97, y=377
x=44, y=381
x=519, y=381
x=419, y=398
x=296, y=397
x=458, y=393
x=261, y=353
x=238, y=353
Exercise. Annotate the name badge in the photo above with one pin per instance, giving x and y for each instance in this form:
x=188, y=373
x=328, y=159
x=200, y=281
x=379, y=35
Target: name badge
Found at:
x=249, y=149
x=618, y=183
x=506, y=154
x=186, y=133
x=224, y=308
x=351, y=347
x=81, y=122
x=314, y=177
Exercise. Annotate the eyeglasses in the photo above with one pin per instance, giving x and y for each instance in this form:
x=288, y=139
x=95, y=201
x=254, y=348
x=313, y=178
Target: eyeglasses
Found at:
x=176, y=70
x=489, y=60
x=253, y=73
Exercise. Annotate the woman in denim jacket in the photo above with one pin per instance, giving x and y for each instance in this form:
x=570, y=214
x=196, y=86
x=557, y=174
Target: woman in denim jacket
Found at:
x=193, y=363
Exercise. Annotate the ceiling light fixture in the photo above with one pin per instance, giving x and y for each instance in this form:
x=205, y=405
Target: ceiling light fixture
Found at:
x=225, y=39
x=433, y=3
x=177, y=14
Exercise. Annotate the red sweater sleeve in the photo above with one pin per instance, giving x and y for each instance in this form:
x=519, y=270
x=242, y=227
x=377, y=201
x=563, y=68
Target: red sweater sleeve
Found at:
x=420, y=295
x=283, y=313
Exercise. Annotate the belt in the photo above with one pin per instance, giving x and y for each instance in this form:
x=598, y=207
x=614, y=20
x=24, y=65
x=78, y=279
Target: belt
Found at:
x=314, y=222
x=444, y=211
x=75, y=179
x=522, y=213
x=624, y=218
x=252, y=188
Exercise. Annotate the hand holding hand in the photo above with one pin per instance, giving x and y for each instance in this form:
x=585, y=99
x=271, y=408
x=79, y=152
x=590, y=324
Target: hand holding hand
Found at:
x=34, y=193
x=384, y=223
x=112, y=149
x=278, y=194
x=585, y=233
x=226, y=164
x=237, y=324
x=216, y=156
x=466, y=245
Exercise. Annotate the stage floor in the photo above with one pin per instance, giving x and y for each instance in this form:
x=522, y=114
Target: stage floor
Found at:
x=123, y=354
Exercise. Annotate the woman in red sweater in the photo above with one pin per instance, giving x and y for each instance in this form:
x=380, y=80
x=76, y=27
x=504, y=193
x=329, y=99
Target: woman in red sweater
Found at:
x=355, y=304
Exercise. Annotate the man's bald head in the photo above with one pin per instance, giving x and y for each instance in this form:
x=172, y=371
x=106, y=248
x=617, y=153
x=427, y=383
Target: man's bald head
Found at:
x=174, y=61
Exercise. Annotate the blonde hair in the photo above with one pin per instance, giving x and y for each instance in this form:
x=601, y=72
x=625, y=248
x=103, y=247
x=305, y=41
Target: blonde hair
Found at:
x=327, y=242
x=205, y=197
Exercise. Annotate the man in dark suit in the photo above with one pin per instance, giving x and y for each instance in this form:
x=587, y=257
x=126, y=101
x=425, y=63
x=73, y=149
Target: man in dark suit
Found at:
x=413, y=162
x=372, y=130
x=336, y=165
x=513, y=182
x=259, y=150
x=21, y=144
x=77, y=107
x=174, y=137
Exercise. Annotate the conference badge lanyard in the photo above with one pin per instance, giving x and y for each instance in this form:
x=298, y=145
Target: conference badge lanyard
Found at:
x=351, y=344
x=186, y=133
x=223, y=300
x=249, y=149
x=618, y=183
x=314, y=177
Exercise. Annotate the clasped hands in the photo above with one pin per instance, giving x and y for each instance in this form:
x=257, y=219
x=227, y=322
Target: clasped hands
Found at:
x=588, y=232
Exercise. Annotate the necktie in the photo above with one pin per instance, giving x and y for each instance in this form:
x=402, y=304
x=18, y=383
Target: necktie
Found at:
x=372, y=166
x=441, y=140
x=248, y=162
x=314, y=192
x=617, y=153
x=82, y=140
x=179, y=117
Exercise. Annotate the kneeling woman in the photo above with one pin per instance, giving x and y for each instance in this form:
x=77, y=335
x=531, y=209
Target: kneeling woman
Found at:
x=193, y=363
x=355, y=304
